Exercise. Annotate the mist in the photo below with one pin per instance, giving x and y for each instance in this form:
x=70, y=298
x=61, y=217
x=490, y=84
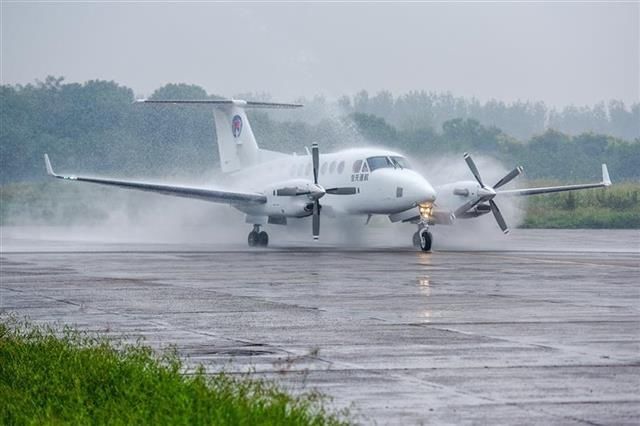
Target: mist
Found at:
x=556, y=55
x=118, y=216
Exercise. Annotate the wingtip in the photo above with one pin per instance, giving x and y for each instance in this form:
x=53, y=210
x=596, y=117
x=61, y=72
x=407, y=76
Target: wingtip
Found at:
x=606, y=180
x=47, y=164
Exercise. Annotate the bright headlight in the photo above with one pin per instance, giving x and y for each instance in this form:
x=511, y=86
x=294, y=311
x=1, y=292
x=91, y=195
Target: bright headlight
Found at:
x=425, y=210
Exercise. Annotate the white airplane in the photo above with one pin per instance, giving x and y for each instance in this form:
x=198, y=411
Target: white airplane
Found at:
x=278, y=187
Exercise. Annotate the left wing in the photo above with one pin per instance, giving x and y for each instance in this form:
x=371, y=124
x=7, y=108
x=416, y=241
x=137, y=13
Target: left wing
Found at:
x=606, y=181
x=177, y=191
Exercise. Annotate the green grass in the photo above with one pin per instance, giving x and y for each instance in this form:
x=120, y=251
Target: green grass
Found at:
x=616, y=207
x=50, y=376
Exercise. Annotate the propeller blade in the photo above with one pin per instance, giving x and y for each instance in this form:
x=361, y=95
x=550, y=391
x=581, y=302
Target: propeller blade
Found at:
x=473, y=168
x=346, y=190
x=315, y=156
x=496, y=213
x=508, y=177
x=316, y=220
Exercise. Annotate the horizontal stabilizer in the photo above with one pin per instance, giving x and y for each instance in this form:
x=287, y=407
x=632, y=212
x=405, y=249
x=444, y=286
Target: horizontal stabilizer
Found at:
x=219, y=103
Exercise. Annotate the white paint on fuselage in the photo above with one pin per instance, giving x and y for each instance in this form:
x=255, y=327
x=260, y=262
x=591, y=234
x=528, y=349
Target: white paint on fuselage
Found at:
x=377, y=190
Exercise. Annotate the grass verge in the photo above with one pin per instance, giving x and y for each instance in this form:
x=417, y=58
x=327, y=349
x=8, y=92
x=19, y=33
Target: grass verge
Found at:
x=617, y=207
x=54, y=376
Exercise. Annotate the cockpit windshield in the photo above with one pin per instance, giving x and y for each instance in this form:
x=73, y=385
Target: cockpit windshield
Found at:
x=387, y=162
x=400, y=162
x=379, y=163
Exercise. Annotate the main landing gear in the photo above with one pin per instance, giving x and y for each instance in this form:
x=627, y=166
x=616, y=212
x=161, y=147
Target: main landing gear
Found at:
x=422, y=239
x=258, y=238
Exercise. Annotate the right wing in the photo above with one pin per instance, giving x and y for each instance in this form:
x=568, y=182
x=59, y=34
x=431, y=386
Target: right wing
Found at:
x=178, y=191
x=606, y=181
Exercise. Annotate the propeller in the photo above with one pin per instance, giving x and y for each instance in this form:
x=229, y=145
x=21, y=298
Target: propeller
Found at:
x=347, y=190
x=315, y=158
x=487, y=193
x=315, y=191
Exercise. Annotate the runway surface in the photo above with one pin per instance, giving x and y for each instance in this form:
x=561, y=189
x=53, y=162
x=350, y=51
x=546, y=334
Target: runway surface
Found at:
x=545, y=330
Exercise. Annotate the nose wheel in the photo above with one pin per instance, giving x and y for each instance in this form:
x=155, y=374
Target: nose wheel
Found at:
x=422, y=239
x=258, y=238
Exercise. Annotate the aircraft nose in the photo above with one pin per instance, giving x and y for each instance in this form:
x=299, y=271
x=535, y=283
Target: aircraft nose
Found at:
x=428, y=192
x=421, y=191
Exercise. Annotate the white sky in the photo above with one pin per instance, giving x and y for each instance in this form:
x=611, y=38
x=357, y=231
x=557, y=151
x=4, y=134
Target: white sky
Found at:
x=568, y=53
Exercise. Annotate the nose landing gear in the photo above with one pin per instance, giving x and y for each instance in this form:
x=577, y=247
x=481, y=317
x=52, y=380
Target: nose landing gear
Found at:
x=422, y=239
x=258, y=238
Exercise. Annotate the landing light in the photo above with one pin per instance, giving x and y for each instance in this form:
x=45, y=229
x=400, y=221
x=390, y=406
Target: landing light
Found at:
x=426, y=210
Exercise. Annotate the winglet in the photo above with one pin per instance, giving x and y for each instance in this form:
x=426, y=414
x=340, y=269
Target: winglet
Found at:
x=605, y=176
x=47, y=163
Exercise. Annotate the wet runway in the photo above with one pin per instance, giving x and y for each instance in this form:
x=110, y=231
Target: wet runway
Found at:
x=543, y=330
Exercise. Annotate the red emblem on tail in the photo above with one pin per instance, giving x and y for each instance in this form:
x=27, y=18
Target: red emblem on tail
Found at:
x=236, y=126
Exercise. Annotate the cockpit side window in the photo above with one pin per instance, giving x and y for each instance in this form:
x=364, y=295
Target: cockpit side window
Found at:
x=401, y=162
x=356, y=166
x=379, y=163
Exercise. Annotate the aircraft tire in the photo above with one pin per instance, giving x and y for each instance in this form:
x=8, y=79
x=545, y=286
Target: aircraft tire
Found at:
x=253, y=239
x=425, y=240
x=263, y=239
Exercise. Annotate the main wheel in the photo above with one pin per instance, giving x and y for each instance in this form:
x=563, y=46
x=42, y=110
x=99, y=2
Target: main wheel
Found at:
x=253, y=239
x=416, y=239
x=263, y=239
x=425, y=240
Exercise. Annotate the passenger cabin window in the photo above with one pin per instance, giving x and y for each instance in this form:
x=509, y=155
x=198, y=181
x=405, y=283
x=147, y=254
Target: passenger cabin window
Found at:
x=379, y=163
x=400, y=162
x=356, y=166
x=340, y=167
x=323, y=169
x=332, y=167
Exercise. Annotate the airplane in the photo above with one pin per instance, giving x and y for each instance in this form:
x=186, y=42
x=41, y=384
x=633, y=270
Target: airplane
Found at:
x=278, y=187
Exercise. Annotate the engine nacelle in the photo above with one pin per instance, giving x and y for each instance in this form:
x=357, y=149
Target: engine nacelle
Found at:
x=292, y=198
x=462, y=189
x=453, y=195
x=476, y=211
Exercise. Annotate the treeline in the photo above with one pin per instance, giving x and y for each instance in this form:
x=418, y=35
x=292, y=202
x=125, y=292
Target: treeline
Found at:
x=521, y=119
x=95, y=127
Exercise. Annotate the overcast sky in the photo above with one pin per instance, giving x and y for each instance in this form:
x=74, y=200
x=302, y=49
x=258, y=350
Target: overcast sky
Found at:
x=569, y=53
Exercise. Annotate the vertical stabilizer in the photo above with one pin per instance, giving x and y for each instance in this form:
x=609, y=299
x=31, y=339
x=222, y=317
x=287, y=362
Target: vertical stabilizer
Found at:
x=236, y=143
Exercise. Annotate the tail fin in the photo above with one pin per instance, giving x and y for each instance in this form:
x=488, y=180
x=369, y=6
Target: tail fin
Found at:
x=236, y=143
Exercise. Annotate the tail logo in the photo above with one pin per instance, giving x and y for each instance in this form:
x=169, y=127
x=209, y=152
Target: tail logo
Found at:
x=236, y=126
